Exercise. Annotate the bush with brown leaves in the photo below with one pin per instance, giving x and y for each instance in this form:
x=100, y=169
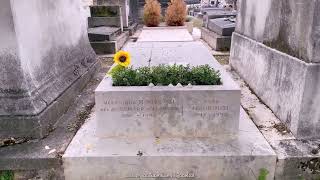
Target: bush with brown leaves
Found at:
x=152, y=13
x=176, y=13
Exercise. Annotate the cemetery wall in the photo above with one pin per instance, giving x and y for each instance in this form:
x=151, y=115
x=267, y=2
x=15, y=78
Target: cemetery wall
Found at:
x=290, y=26
x=279, y=41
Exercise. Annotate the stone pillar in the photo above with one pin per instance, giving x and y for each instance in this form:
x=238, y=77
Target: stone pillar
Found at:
x=124, y=8
x=134, y=10
x=45, y=59
x=276, y=49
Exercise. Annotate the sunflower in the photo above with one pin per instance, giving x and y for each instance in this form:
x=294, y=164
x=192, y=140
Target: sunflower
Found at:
x=122, y=58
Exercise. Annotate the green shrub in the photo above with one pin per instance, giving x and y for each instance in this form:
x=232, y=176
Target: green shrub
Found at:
x=165, y=75
x=6, y=175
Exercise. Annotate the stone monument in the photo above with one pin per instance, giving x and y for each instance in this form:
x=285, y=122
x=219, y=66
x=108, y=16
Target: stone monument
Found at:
x=124, y=8
x=169, y=132
x=276, y=50
x=45, y=59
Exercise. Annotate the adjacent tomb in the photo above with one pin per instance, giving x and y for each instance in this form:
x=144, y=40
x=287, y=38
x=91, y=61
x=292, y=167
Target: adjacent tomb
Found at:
x=218, y=33
x=276, y=49
x=106, y=27
x=46, y=59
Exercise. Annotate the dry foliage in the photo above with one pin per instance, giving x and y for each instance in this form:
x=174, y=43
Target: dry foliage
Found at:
x=152, y=13
x=176, y=13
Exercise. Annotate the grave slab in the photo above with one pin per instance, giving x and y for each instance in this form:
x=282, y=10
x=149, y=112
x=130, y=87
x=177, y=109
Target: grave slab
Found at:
x=103, y=33
x=164, y=35
x=162, y=111
x=242, y=156
x=222, y=26
x=213, y=14
x=110, y=47
x=104, y=21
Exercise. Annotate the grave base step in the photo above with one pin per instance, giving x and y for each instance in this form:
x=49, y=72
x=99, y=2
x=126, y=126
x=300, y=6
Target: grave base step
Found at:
x=216, y=41
x=110, y=47
x=245, y=155
x=103, y=33
x=104, y=21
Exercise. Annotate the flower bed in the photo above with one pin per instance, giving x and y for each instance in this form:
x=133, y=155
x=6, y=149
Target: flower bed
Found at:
x=138, y=110
x=166, y=75
x=161, y=74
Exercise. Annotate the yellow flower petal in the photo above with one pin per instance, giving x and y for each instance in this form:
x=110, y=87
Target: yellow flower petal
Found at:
x=123, y=62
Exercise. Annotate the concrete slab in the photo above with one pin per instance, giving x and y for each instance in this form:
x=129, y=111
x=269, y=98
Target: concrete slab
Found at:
x=222, y=26
x=104, y=21
x=164, y=34
x=242, y=156
x=297, y=159
x=103, y=33
x=163, y=111
x=110, y=47
x=288, y=85
x=216, y=41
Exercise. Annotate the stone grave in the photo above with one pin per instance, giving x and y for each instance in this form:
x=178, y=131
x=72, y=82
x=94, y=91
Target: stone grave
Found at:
x=168, y=34
x=157, y=132
x=218, y=33
x=128, y=16
x=279, y=58
x=106, y=29
x=216, y=13
x=284, y=60
x=45, y=63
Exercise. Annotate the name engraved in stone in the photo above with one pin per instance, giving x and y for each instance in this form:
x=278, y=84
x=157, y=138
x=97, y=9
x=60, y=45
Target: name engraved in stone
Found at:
x=210, y=108
x=176, y=175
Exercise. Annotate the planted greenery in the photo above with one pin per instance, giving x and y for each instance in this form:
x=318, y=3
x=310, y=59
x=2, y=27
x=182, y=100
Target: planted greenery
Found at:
x=6, y=175
x=165, y=75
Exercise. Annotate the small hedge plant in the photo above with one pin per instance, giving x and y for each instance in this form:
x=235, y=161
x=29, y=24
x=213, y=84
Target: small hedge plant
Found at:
x=152, y=13
x=176, y=13
x=165, y=75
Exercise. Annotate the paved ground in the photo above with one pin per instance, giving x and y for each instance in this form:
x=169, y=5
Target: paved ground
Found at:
x=159, y=35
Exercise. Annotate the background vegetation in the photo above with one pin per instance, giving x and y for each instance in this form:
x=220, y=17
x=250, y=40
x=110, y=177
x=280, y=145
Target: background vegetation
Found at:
x=152, y=13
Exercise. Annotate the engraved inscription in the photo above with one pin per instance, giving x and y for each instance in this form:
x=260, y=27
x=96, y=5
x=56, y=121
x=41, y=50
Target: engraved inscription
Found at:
x=210, y=108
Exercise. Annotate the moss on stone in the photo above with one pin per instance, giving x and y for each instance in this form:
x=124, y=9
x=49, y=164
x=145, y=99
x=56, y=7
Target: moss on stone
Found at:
x=103, y=11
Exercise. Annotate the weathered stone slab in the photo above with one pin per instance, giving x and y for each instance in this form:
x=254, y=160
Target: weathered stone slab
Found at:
x=103, y=33
x=241, y=156
x=104, y=21
x=105, y=11
x=222, y=26
x=40, y=59
x=198, y=111
x=215, y=41
x=289, y=86
x=165, y=34
x=296, y=159
x=168, y=111
x=124, y=4
x=110, y=47
x=291, y=26
x=217, y=14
